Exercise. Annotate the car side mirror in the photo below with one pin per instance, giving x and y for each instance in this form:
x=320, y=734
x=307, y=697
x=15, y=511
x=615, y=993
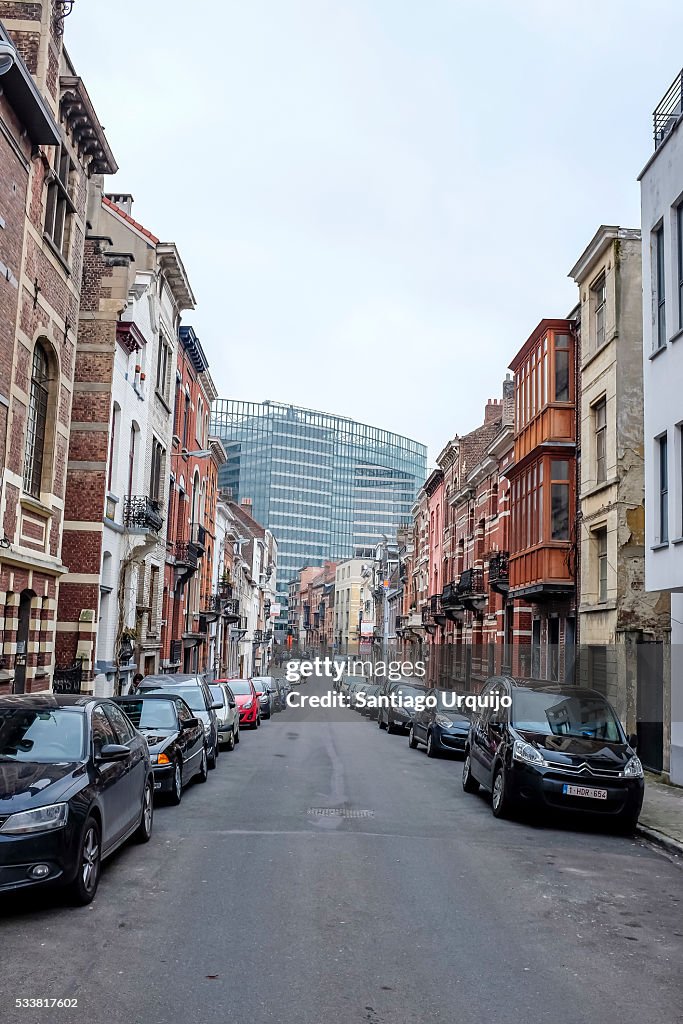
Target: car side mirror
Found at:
x=232, y=704
x=190, y=723
x=112, y=752
x=633, y=740
x=216, y=706
x=496, y=727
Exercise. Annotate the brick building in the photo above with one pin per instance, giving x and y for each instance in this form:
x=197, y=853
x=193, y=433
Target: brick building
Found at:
x=52, y=184
x=193, y=494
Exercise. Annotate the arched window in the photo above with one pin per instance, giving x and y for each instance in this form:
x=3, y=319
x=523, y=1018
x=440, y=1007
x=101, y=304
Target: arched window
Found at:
x=36, y=422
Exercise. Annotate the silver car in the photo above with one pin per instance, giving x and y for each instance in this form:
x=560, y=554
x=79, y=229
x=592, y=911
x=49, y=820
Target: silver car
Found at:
x=227, y=715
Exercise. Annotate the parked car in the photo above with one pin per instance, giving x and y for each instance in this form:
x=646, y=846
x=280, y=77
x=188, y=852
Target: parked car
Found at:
x=75, y=783
x=400, y=716
x=357, y=687
x=558, y=748
x=370, y=710
x=247, y=701
x=278, y=692
x=195, y=692
x=175, y=737
x=264, y=690
x=227, y=714
x=442, y=728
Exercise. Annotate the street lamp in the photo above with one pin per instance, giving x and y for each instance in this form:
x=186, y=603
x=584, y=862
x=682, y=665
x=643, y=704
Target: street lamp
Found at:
x=8, y=56
x=201, y=453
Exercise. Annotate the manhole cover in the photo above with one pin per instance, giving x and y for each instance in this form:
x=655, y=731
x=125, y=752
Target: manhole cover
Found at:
x=340, y=812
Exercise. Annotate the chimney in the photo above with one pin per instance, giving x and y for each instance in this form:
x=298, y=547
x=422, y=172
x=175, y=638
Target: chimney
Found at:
x=493, y=410
x=508, y=401
x=123, y=200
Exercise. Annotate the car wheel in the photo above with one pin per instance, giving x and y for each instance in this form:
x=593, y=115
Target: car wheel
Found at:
x=84, y=886
x=380, y=723
x=412, y=742
x=390, y=725
x=258, y=722
x=500, y=802
x=231, y=739
x=432, y=749
x=469, y=783
x=211, y=758
x=237, y=734
x=177, y=787
x=626, y=824
x=203, y=766
x=143, y=832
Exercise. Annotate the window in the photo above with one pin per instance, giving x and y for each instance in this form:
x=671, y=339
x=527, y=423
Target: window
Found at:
x=601, y=546
x=163, y=360
x=59, y=208
x=131, y=460
x=559, y=499
x=600, y=426
x=186, y=420
x=562, y=368
x=663, y=489
x=679, y=235
x=123, y=728
x=153, y=599
x=599, y=299
x=155, y=488
x=112, y=445
x=102, y=731
x=36, y=422
x=660, y=289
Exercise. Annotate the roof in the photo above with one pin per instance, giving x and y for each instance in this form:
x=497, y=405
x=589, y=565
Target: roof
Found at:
x=46, y=700
x=108, y=204
x=603, y=237
x=535, y=337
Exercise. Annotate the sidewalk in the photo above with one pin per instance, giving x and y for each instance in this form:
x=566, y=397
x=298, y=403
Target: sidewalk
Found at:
x=661, y=818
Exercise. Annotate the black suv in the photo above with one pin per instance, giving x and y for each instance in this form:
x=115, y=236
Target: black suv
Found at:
x=561, y=748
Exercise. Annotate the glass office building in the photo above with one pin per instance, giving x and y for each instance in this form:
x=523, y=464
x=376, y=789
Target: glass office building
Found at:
x=326, y=486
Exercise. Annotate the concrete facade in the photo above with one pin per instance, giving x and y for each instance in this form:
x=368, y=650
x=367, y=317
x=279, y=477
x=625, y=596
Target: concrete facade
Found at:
x=661, y=184
x=615, y=613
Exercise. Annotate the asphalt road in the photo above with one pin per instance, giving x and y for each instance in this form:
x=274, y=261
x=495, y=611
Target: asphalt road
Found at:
x=247, y=908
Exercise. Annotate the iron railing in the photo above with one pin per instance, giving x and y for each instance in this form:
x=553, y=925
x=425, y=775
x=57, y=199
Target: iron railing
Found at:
x=142, y=513
x=68, y=678
x=471, y=582
x=668, y=110
x=199, y=535
x=186, y=554
x=499, y=570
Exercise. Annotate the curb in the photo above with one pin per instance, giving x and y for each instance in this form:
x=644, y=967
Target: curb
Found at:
x=660, y=839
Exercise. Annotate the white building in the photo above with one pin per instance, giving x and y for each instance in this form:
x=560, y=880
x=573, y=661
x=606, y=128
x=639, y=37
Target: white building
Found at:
x=662, y=233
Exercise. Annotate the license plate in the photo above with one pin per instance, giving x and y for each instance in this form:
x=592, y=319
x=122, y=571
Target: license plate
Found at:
x=587, y=791
x=157, y=785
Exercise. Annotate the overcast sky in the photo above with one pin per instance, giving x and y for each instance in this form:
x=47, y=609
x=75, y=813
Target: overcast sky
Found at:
x=377, y=200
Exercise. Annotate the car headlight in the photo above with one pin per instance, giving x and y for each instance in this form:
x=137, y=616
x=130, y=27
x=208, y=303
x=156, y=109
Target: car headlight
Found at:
x=443, y=721
x=40, y=819
x=247, y=705
x=634, y=769
x=522, y=751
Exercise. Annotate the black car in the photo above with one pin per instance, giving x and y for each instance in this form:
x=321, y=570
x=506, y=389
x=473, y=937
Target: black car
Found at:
x=195, y=691
x=175, y=738
x=404, y=702
x=368, y=708
x=560, y=748
x=441, y=725
x=264, y=691
x=75, y=783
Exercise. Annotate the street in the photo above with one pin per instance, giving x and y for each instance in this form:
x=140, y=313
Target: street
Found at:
x=245, y=907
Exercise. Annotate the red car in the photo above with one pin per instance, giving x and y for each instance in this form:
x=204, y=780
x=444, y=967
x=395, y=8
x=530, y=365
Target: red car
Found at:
x=247, y=701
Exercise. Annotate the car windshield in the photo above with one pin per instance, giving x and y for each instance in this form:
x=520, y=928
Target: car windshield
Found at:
x=407, y=691
x=565, y=714
x=151, y=714
x=192, y=695
x=240, y=686
x=46, y=736
x=218, y=695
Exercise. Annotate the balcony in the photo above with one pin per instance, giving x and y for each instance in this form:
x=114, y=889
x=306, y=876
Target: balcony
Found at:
x=142, y=513
x=186, y=554
x=198, y=536
x=668, y=110
x=452, y=606
x=499, y=572
x=471, y=590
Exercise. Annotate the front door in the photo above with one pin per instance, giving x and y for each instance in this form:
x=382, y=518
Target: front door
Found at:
x=111, y=781
x=22, y=641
